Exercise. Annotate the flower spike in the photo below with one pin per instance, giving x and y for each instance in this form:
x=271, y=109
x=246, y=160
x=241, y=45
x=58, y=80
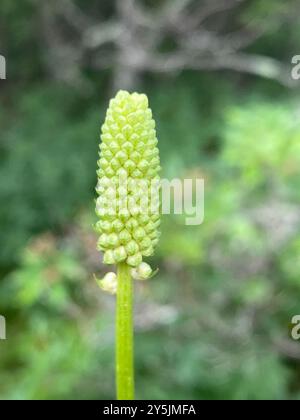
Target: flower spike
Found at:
x=128, y=181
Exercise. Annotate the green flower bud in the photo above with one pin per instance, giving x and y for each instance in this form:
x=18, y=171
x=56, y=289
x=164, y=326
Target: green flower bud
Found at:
x=124, y=236
x=128, y=169
x=109, y=257
x=132, y=248
x=113, y=240
x=143, y=272
x=120, y=254
x=108, y=283
x=117, y=225
x=148, y=251
x=134, y=260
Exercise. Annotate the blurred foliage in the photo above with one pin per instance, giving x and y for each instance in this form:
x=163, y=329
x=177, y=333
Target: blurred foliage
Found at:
x=43, y=162
x=214, y=322
x=270, y=145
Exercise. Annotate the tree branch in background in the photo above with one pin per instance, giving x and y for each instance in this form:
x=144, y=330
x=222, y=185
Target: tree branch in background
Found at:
x=246, y=63
x=101, y=34
x=130, y=42
x=74, y=15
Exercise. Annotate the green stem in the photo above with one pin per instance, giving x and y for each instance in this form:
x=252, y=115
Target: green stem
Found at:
x=124, y=335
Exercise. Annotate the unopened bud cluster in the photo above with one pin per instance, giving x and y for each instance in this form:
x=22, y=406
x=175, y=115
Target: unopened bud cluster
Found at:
x=128, y=181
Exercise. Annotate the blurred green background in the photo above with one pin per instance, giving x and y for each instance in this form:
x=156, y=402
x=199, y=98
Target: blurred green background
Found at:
x=215, y=322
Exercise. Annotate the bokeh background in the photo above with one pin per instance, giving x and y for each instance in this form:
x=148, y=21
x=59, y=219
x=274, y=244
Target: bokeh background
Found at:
x=215, y=322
